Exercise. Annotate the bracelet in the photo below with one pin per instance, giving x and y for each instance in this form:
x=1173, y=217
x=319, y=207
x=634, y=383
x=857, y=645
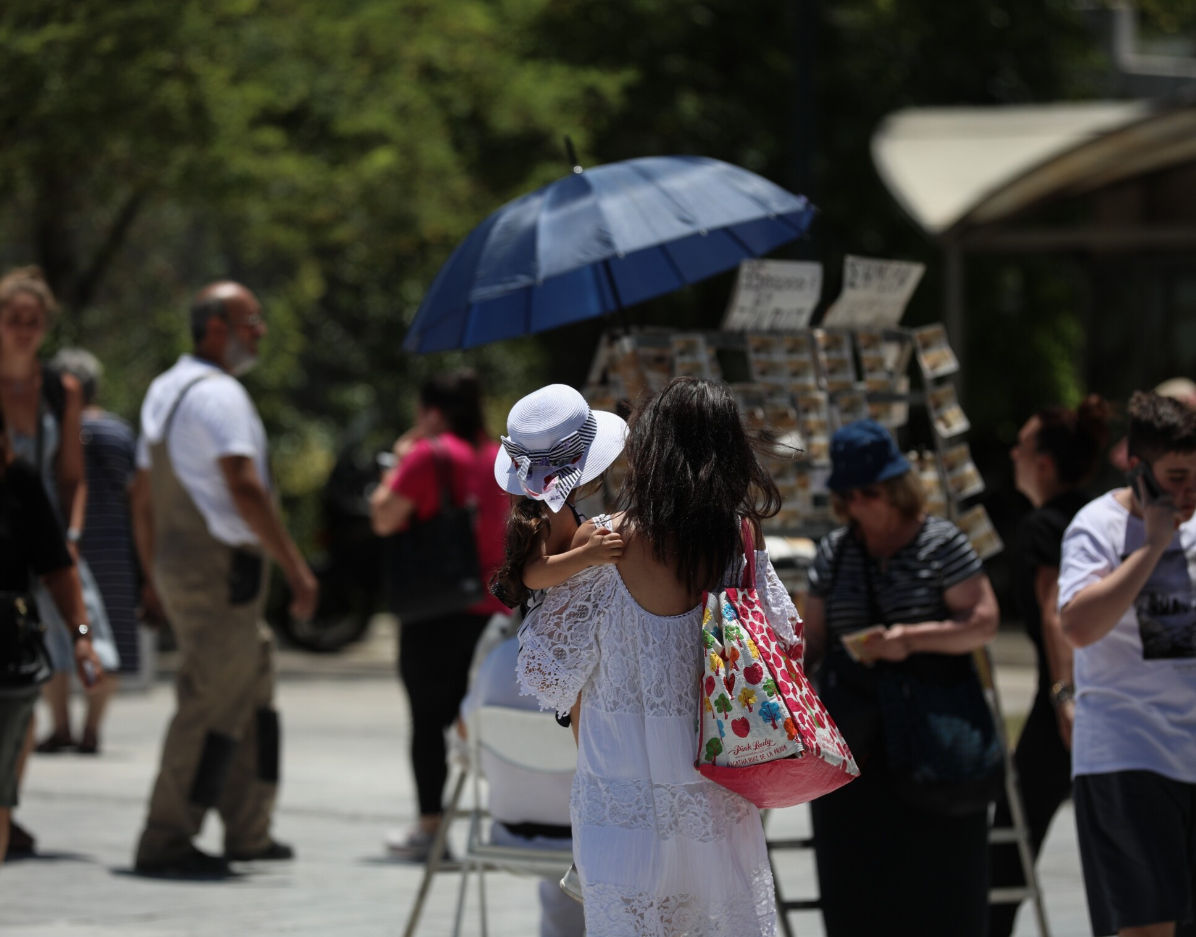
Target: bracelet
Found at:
x=1062, y=693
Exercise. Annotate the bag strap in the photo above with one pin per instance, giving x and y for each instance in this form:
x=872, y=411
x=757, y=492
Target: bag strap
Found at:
x=179, y=399
x=444, y=469
x=749, y=554
x=874, y=611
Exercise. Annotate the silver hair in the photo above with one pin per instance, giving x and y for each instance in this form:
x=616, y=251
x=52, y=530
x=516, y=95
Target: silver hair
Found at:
x=83, y=366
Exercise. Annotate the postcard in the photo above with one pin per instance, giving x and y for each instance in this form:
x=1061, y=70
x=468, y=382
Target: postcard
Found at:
x=945, y=412
x=935, y=357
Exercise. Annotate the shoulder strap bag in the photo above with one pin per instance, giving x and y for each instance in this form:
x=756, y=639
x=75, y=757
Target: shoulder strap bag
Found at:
x=764, y=733
x=433, y=567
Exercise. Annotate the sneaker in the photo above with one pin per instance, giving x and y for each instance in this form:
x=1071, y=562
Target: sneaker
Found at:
x=571, y=884
x=272, y=851
x=194, y=865
x=412, y=845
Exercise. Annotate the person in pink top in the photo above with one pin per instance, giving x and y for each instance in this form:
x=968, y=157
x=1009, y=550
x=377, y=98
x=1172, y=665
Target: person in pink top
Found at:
x=449, y=412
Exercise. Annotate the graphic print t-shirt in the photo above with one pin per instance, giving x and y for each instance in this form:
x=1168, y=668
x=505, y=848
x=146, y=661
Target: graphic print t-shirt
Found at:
x=1136, y=686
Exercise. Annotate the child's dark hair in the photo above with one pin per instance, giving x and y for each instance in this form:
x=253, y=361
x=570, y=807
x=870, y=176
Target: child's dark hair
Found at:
x=1074, y=439
x=1159, y=425
x=692, y=475
x=524, y=527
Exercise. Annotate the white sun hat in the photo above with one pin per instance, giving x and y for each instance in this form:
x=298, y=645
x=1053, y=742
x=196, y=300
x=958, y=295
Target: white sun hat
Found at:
x=554, y=443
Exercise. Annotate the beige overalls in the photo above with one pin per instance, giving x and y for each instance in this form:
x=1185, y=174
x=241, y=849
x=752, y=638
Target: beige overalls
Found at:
x=222, y=747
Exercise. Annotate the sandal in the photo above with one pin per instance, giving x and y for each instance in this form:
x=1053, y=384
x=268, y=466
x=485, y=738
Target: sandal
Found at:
x=89, y=744
x=52, y=744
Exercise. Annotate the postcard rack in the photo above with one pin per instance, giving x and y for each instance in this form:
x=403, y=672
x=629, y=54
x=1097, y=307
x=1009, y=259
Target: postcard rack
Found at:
x=802, y=385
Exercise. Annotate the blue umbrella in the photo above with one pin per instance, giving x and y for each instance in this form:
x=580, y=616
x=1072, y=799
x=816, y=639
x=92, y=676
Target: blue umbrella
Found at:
x=601, y=240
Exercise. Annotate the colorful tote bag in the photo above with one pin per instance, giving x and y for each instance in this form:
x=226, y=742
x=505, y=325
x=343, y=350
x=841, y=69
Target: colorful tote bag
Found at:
x=763, y=732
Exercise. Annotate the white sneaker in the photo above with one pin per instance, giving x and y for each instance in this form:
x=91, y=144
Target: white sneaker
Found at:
x=412, y=845
x=571, y=884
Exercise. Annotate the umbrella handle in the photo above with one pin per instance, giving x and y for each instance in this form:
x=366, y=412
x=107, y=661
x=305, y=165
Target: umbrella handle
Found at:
x=571, y=154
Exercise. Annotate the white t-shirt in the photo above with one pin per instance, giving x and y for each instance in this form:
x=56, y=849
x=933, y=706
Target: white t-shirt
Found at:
x=1136, y=686
x=516, y=795
x=215, y=419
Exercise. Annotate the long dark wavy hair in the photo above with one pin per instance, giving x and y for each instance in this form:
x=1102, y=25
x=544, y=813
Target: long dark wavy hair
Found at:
x=525, y=524
x=692, y=474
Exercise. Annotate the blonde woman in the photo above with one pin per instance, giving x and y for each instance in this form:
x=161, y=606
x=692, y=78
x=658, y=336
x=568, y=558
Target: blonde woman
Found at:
x=43, y=411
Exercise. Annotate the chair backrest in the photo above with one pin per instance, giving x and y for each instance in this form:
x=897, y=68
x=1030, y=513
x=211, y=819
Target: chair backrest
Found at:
x=525, y=738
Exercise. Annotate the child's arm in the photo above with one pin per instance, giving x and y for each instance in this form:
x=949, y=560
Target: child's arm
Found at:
x=591, y=547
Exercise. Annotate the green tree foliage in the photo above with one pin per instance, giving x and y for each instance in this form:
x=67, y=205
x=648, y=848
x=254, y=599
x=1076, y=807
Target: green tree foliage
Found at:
x=331, y=154
x=328, y=154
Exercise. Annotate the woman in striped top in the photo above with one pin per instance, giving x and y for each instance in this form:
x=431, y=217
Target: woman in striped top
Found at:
x=885, y=865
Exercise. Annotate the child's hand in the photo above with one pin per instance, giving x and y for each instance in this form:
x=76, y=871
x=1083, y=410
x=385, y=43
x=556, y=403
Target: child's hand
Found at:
x=603, y=546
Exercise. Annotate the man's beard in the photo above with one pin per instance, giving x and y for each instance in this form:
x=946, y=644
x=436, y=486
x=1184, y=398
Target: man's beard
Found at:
x=238, y=359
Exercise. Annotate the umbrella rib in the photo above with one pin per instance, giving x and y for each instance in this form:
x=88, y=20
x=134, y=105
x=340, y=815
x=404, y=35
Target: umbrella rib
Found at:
x=610, y=281
x=747, y=248
x=664, y=249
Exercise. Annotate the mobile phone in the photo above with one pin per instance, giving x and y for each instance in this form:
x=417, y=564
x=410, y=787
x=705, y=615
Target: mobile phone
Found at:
x=1150, y=489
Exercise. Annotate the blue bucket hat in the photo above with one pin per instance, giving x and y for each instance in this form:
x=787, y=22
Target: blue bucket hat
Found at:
x=864, y=453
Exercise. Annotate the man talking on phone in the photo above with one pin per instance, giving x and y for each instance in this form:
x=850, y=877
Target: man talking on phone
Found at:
x=1126, y=602
x=205, y=522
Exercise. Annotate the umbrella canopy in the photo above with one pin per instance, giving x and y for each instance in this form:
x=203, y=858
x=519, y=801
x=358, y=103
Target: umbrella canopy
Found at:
x=601, y=240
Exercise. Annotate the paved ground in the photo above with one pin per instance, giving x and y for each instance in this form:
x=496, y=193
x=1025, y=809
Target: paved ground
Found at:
x=345, y=783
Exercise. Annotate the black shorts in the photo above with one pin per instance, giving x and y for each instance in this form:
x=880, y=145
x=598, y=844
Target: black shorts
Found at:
x=1137, y=833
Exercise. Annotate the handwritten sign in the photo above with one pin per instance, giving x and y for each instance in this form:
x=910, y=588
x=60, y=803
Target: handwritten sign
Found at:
x=875, y=292
x=774, y=294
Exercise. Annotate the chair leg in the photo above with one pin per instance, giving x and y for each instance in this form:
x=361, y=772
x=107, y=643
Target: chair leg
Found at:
x=435, y=857
x=482, y=899
x=459, y=914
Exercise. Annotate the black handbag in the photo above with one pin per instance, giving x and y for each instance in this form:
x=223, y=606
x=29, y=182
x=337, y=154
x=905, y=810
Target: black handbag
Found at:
x=940, y=741
x=433, y=567
x=24, y=662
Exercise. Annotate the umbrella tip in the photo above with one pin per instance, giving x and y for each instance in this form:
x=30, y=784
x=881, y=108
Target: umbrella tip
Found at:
x=571, y=154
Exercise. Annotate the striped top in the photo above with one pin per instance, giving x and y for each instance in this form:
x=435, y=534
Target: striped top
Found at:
x=107, y=542
x=908, y=589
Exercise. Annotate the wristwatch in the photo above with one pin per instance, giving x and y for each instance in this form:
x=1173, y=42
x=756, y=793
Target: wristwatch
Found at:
x=73, y=535
x=82, y=631
x=1062, y=693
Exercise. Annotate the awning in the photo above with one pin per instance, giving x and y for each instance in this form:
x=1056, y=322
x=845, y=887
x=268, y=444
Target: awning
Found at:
x=958, y=169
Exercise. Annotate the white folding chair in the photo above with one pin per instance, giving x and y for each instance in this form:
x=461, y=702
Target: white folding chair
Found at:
x=525, y=739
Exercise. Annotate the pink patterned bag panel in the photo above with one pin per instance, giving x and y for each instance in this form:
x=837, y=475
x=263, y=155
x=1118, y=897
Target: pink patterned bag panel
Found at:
x=763, y=732
x=816, y=729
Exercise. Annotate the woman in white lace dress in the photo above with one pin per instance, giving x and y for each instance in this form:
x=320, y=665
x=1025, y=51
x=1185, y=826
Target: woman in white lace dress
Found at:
x=661, y=851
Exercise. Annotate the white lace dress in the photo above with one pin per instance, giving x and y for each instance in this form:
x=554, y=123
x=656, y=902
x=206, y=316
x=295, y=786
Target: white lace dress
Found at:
x=661, y=851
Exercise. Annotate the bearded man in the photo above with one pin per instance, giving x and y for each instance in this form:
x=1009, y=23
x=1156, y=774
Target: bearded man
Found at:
x=205, y=522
